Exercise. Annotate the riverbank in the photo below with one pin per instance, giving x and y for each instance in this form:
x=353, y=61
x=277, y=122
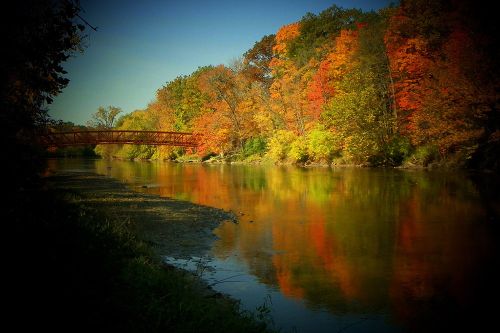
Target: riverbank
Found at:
x=454, y=162
x=78, y=261
x=171, y=227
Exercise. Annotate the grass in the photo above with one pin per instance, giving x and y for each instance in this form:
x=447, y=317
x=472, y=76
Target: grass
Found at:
x=73, y=268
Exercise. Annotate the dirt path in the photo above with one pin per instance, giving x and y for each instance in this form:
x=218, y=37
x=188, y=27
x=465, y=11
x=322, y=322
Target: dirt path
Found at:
x=175, y=228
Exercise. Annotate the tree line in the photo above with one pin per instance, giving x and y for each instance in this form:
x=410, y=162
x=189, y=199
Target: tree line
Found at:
x=413, y=84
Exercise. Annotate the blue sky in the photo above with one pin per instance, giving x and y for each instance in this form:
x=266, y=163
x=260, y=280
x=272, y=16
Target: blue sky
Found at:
x=141, y=45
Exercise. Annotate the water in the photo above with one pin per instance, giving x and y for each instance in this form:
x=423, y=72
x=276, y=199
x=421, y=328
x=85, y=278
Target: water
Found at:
x=340, y=250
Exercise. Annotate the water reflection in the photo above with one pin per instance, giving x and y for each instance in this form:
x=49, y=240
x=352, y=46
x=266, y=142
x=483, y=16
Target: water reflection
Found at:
x=417, y=245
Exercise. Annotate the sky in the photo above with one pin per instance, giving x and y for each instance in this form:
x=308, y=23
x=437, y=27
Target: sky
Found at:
x=139, y=46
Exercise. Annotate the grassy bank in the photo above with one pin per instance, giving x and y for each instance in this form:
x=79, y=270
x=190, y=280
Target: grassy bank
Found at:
x=72, y=267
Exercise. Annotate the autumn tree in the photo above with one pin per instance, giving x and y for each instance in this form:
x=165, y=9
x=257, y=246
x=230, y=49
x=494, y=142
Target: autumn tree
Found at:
x=317, y=30
x=258, y=58
x=368, y=87
x=360, y=112
x=216, y=128
x=331, y=69
x=453, y=104
x=288, y=102
x=442, y=93
x=287, y=89
x=183, y=99
x=230, y=92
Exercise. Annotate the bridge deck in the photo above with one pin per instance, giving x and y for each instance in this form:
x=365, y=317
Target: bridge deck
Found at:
x=156, y=138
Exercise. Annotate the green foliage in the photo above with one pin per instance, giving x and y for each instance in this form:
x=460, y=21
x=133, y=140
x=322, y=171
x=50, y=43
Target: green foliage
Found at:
x=255, y=146
x=279, y=144
x=353, y=116
x=78, y=151
x=393, y=153
x=137, y=120
x=167, y=153
x=360, y=114
x=70, y=151
x=423, y=156
x=188, y=158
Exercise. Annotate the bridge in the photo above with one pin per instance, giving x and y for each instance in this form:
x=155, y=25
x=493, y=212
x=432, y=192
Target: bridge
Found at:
x=154, y=138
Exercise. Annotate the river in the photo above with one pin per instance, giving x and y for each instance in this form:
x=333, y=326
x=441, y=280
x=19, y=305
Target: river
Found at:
x=339, y=250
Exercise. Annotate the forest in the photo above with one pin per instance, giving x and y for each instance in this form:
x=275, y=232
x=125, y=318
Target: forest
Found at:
x=411, y=85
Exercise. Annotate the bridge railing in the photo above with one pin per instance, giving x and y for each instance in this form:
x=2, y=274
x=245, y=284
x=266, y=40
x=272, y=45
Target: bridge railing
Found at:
x=155, y=138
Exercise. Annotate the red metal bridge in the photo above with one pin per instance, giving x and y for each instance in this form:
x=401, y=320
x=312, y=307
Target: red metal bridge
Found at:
x=155, y=138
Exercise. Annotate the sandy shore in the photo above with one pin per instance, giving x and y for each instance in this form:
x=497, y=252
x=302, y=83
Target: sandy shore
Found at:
x=174, y=228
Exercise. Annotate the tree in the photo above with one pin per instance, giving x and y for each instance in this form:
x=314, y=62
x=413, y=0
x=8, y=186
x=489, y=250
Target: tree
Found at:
x=318, y=30
x=137, y=120
x=285, y=35
x=280, y=144
x=355, y=117
x=229, y=92
x=104, y=118
x=453, y=106
x=38, y=36
x=322, y=145
x=444, y=77
x=215, y=127
x=286, y=91
x=332, y=68
x=257, y=59
x=183, y=100
x=360, y=113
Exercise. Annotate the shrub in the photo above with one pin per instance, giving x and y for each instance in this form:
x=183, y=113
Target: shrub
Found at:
x=280, y=144
x=322, y=145
x=255, y=146
x=298, y=150
x=393, y=153
x=423, y=156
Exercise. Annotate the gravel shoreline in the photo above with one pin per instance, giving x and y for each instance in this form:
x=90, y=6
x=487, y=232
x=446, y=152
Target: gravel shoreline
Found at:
x=174, y=228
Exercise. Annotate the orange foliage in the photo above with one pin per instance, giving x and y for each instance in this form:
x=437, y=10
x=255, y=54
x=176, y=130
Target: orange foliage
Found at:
x=234, y=102
x=287, y=95
x=434, y=95
x=334, y=263
x=284, y=35
x=298, y=94
x=446, y=118
x=217, y=126
x=331, y=69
